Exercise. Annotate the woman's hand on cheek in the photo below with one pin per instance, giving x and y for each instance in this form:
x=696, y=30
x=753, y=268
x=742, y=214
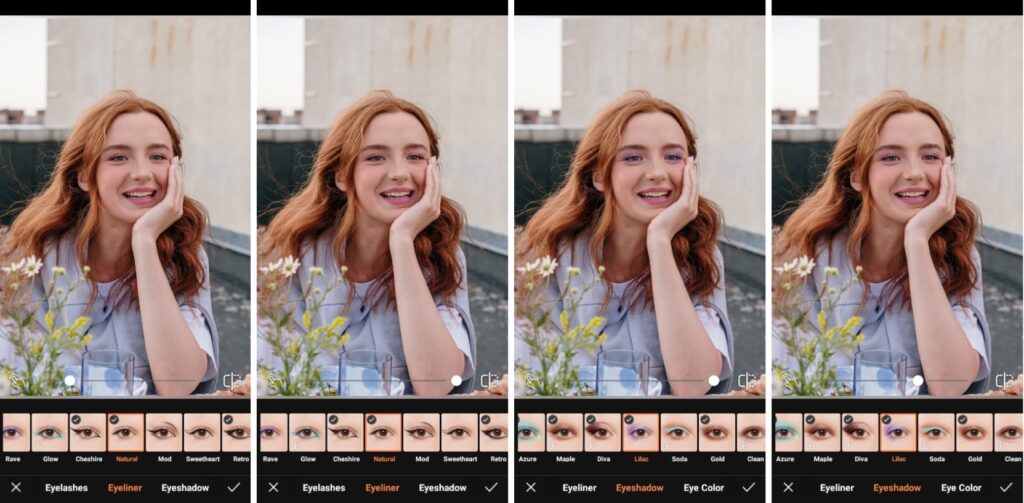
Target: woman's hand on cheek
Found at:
x=413, y=220
x=158, y=218
x=673, y=218
x=930, y=219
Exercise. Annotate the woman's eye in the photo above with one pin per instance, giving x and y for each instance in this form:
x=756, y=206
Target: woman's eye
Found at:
x=897, y=433
x=632, y=158
x=973, y=433
x=159, y=157
x=673, y=157
x=753, y=433
x=677, y=433
x=162, y=433
x=306, y=433
x=526, y=433
x=86, y=433
x=458, y=433
x=50, y=434
x=496, y=433
x=1010, y=433
x=124, y=433
x=715, y=433
x=381, y=433
x=345, y=433
x=419, y=433
x=890, y=158
x=935, y=433
x=269, y=433
x=415, y=157
x=857, y=433
x=821, y=434
x=238, y=433
x=201, y=432
x=640, y=433
x=11, y=433
x=784, y=433
x=118, y=158
x=375, y=158
x=600, y=433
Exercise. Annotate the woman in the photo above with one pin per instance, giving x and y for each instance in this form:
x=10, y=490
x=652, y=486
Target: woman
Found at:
x=115, y=203
x=630, y=204
x=888, y=205
x=372, y=204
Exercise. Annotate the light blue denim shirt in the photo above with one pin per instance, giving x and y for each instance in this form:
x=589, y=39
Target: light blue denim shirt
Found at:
x=892, y=328
x=121, y=329
x=375, y=328
x=633, y=329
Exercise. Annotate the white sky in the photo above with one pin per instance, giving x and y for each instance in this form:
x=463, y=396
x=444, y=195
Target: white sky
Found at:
x=538, y=63
x=280, y=63
x=23, y=63
x=795, y=63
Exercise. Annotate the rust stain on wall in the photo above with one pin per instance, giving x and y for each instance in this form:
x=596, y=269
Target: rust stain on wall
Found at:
x=668, y=42
x=412, y=43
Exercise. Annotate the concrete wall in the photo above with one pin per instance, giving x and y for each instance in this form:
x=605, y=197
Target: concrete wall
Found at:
x=711, y=67
x=455, y=68
x=195, y=67
x=969, y=68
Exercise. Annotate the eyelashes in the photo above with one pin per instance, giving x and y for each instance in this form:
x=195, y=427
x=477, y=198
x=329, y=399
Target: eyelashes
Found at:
x=784, y=432
x=50, y=433
x=639, y=432
x=200, y=432
x=163, y=432
x=12, y=433
x=858, y=431
x=269, y=432
x=527, y=431
x=970, y=432
x=382, y=432
x=344, y=432
x=676, y=433
x=124, y=433
x=1010, y=432
x=421, y=431
x=238, y=433
x=600, y=431
x=820, y=433
x=562, y=432
x=934, y=433
x=753, y=432
x=459, y=433
x=896, y=431
x=635, y=157
x=496, y=432
x=86, y=433
x=712, y=432
x=306, y=433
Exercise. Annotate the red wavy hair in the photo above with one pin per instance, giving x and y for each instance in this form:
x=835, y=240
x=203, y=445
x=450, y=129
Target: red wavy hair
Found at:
x=63, y=208
x=578, y=209
x=320, y=207
x=835, y=207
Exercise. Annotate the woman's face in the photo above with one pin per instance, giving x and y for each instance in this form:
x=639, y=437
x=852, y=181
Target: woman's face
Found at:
x=274, y=432
x=459, y=432
x=602, y=433
x=50, y=432
x=383, y=432
x=789, y=429
x=422, y=432
x=750, y=436
x=647, y=173
x=640, y=433
x=494, y=432
x=236, y=433
x=131, y=176
x=390, y=167
x=1008, y=432
x=163, y=432
x=530, y=432
x=905, y=167
x=899, y=433
x=306, y=433
x=821, y=432
x=16, y=432
x=202, y=432
x=860, y=432
x=973, y=432
x=717, y=432
x=125, y=433
x=565, y=432
x=345, y=432
x=88, y=433
x=935, y=433
x=679, y=432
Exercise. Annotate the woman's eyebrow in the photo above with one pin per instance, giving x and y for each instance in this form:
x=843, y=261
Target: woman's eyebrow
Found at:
x=122, y=146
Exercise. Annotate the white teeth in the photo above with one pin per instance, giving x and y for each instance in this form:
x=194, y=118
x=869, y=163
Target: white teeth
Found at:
x=137, y=195
x=911, y=194
x=397, y=195
x=652, y=195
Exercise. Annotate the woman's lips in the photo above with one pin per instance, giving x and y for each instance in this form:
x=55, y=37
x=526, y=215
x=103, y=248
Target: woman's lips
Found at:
x=656, y=197
x=140, y=197
x=397, y=197
x=913, y=198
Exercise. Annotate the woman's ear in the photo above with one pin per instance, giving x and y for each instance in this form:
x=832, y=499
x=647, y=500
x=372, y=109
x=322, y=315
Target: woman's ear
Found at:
x=339, y=182
x=82, y=184
x=855, y=182
x=598, y=184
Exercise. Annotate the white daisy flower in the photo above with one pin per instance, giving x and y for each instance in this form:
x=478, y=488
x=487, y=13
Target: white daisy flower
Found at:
x=290, y=267
x=547, y=267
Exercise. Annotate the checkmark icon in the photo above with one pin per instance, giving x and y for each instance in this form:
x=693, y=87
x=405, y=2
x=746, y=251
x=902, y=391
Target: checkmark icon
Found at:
x=232, y=488
x=489, y=489
x=747, y=489
x=1007, y=488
